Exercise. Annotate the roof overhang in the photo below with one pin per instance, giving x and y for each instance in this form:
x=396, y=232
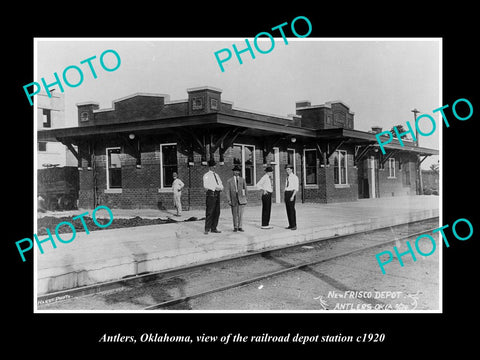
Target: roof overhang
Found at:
x=145, y=126
x=358, y=137
x=218, y=120
x=210, y=120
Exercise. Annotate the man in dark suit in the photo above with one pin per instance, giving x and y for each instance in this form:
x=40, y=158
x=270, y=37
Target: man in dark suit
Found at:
x=236, y=192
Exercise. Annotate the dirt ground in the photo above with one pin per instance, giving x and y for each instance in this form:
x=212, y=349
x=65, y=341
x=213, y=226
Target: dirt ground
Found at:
x=50, y=222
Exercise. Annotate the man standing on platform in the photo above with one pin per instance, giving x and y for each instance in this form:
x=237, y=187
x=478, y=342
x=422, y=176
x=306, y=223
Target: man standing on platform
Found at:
x=265, y=184
x=291, y=188
x=213, y=184
x=177, y=187
x=236, y=192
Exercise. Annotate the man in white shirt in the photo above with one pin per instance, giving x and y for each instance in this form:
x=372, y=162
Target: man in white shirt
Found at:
x=213, y=184
x=177, y=187
x=265, y=184
x=291, y=188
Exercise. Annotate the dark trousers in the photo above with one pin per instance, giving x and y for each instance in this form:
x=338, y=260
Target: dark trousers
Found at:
x=266, y=208
x=290, y=206
x=212, y=212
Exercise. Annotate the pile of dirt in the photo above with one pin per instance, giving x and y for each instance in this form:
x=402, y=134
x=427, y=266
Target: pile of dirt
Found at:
x=50, y=222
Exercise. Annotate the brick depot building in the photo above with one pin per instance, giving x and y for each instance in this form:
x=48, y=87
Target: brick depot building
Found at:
x=127, y=154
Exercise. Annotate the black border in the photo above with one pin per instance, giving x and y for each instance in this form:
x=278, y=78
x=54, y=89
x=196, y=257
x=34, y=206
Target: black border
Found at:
x=79, y=333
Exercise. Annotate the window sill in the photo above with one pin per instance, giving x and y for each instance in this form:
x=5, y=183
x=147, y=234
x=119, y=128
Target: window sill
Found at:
x=113, y=191
x=342, y=186
x=392, y=177
x=311, y=186
x=165, y=190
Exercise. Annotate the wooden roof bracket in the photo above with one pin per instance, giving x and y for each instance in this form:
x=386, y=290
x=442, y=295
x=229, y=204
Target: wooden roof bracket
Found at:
x=227, y=139
x=323, y=153
x=134, y=147
x=269, y=144
x=389, y=154
x=70, y=147
x=423, y=158
x=336, y=146
x=359, y=156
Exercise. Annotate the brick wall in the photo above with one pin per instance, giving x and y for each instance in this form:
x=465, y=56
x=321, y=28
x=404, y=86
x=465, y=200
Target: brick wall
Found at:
x=141, y=186
x=430, y=180
x=333, y=115
x=398, y=185
x=341, y=193
x=325, y=191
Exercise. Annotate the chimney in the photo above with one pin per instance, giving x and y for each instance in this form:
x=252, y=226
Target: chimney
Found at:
x=303, y=103
x=204, y=99
x=376, y=129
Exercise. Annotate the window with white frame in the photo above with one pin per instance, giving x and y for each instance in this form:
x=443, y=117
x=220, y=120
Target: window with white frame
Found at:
x=244, y=156
x=340, y=167
x=168, y=164
x=114, y=168
x=310, y=156
x=391, y=168
x=291, y=159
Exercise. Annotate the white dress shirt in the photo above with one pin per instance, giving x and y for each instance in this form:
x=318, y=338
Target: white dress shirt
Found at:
x=177, y=185
x=265, y=183
x=291, y=182
x=211, y=180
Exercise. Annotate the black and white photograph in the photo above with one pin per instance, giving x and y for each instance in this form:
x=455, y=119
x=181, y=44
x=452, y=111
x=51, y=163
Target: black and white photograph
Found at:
x=295, y=180
x=236, y=181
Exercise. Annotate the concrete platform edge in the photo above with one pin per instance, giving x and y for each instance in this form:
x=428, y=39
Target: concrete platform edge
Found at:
x=52, y=280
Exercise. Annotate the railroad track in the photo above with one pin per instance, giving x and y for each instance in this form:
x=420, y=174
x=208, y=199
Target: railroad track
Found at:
x=173, y=289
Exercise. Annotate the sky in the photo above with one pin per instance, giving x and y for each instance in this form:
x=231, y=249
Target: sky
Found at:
x=381, y=80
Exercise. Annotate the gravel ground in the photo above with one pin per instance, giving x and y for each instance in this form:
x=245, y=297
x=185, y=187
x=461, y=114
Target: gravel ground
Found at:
x=348, y=283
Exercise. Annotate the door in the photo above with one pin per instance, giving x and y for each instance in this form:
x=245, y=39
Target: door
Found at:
x=362, y=179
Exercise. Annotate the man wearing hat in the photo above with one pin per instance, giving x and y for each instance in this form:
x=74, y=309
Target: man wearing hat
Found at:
x=213, y=185
x=265, y=184
x=236, y=192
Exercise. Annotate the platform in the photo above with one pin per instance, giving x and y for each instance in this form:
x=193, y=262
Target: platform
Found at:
x=112, y=254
